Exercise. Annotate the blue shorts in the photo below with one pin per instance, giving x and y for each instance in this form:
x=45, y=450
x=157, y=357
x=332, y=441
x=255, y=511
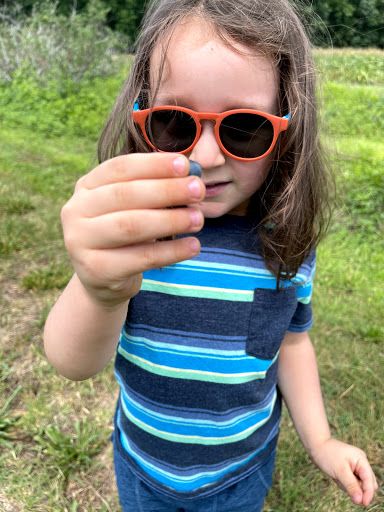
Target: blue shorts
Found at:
x=246, y=495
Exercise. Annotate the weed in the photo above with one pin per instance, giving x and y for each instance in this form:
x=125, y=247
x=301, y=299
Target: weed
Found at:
x=56, y=48
x=15, y=202
x=69, y=452
x=13, y=236
x=8, y=421
x=54, y=276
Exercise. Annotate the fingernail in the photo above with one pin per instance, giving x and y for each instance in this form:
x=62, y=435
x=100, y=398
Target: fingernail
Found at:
x=179, y=164
x=195, y=216
x=194, y=189
x=194, y=245
x=194, y=169
x=356, y=498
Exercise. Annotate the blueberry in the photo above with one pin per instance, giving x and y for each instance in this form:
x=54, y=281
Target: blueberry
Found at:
x=194, y=169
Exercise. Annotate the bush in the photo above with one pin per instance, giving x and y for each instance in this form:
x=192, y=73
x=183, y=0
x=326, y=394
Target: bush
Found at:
x=79, y=112
x=54, y=48
x=59, y=75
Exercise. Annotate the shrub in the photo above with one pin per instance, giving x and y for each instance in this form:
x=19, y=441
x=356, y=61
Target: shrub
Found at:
x=49, y=47
x=79, y=112
x=59, y=75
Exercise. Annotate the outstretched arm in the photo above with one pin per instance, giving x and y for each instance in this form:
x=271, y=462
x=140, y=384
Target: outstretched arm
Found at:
x=298, y=380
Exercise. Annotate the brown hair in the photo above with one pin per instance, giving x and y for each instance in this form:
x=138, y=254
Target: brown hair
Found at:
x=293, y=201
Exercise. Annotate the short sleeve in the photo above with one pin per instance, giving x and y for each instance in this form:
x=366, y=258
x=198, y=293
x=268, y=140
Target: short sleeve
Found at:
x=302, y=319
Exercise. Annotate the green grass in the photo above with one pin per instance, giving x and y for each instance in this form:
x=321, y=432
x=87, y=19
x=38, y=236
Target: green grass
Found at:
x=351, y=65
x=56, y=455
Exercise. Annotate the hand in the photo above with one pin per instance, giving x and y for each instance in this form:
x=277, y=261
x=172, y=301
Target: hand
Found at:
x=348, y=467
x=117, y=213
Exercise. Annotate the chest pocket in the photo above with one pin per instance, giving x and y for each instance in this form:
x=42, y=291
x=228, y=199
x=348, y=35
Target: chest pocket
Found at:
x=271, y=315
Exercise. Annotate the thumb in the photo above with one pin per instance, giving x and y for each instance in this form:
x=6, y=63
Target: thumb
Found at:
x=353, y=487
x=354, y=490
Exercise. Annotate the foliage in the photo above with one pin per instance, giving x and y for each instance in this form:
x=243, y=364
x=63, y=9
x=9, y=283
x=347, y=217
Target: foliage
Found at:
x=59, y=75
x=77, y=111
x=8, y=421
x=358, y=23
x=123, y=16
x=55, y=276
x=353, y=66
x=69, y=452
x=47, y=46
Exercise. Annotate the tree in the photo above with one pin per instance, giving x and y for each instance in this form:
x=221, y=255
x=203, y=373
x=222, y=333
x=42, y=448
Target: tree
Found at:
x=352, y=22
x=126, y=15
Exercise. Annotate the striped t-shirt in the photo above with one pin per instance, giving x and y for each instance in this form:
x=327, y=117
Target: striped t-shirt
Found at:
x=197, y=363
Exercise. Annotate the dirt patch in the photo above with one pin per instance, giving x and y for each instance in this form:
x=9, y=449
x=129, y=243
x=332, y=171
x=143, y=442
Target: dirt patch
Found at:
x=100, y=485
x=8, y=505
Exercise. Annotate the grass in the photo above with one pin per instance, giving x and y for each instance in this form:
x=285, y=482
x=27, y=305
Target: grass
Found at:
x=56, y=455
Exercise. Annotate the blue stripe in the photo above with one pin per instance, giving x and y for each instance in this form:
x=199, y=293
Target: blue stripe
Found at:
x=182, y=338
x=226, y=363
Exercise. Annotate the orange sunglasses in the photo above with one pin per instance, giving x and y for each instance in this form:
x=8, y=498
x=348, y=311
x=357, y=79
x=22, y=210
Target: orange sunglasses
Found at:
x=242, y=134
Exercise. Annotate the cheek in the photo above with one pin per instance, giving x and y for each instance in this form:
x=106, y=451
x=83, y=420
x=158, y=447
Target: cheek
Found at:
x=254, y=174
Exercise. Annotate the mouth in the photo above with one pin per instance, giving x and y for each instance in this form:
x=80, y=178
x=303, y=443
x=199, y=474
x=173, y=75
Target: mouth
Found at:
x=215, y=188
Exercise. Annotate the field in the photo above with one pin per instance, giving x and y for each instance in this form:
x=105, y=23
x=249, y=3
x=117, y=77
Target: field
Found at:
x=55, y=454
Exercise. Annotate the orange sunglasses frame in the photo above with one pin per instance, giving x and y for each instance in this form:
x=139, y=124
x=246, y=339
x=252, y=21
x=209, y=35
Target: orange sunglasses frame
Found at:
x=279, y=125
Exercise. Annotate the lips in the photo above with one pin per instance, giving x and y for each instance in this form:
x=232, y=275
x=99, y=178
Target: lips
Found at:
x=215, y=188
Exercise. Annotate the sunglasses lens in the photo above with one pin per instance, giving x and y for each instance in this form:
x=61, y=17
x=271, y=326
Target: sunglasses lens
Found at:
x=246, y=135
x=171, y=130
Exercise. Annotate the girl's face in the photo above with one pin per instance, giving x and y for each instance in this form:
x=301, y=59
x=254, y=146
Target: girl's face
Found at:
x=205, y=75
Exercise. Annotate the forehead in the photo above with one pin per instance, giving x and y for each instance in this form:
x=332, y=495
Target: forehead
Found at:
x=201, y=68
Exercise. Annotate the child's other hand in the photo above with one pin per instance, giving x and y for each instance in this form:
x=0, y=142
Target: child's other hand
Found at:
x=348, y=466
x=117, y=212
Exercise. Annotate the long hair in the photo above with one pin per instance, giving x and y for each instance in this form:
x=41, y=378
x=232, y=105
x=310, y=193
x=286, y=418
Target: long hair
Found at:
x=293, y=201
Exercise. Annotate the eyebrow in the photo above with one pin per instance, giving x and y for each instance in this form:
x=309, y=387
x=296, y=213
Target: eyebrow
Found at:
x=187, y=103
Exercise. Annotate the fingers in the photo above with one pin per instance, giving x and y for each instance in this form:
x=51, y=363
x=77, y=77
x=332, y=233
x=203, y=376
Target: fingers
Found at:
x=135, y=167
x=118, y=264
x=141, y=194
x=117, y=212
x=367, y=482
x=359, y=481
x=132, y=227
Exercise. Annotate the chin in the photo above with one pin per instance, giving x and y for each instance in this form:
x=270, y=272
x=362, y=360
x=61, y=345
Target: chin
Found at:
x=213, y=210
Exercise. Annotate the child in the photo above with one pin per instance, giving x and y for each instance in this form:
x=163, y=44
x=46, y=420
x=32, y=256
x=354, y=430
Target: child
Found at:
x=216, y=329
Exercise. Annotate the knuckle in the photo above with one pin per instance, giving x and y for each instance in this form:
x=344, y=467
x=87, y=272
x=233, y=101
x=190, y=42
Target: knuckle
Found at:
x=121, y=193
x=119, y=166
x=350, y=487
x=127, y=226
x=150, y=255
x=79, y=183
x=93, y=265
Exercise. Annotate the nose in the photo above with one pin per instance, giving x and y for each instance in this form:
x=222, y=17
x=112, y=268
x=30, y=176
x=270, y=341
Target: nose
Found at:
x=207, y=151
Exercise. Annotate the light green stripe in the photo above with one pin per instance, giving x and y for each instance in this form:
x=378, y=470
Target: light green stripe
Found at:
x=175, y=373
x=304, y=300
x=205, y=293
x=179, y=438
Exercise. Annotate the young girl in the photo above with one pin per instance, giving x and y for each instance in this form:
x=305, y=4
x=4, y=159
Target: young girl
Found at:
x=215, y=326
